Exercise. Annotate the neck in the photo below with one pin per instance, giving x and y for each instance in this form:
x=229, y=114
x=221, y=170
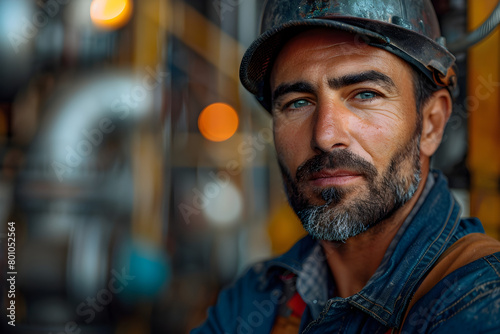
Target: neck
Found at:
x=354, y=262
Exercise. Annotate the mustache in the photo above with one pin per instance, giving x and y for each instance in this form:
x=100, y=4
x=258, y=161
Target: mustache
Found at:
x=337, y=159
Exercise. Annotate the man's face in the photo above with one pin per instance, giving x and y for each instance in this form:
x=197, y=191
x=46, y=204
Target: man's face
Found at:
x=346, y=132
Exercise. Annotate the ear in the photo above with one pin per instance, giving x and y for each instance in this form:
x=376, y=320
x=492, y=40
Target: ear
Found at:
x=435, y=114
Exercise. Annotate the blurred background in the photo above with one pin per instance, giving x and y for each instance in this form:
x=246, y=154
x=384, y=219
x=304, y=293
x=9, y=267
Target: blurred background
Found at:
x=141, y=176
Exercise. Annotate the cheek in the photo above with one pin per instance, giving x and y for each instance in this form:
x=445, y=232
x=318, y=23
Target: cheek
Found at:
x=285, y=148
x=381, y=141
x=292, y=146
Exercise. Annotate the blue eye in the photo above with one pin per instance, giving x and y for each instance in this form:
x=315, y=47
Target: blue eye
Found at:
x=299, y=104
x=366, y=95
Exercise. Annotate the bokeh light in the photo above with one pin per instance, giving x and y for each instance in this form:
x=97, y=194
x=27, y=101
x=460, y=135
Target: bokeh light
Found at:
x=110, y=14
x=226, y=207
x=218, y=122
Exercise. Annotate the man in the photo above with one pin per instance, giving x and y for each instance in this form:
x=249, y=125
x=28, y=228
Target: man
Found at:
x=360, y=92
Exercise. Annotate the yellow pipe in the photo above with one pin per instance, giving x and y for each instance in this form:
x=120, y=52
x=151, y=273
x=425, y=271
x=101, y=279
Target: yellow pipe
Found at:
x=483, y=101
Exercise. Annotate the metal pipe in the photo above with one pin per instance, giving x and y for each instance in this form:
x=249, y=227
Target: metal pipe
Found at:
x=465, y=42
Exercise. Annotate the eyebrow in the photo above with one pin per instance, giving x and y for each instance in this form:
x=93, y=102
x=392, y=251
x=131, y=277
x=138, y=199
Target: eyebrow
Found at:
x=336, y=83
x=368, y=76
x=285, y=88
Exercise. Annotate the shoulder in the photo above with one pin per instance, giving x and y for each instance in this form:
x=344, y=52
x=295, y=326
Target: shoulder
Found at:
x=467, y=300
x=241, y=306
x=250, y=302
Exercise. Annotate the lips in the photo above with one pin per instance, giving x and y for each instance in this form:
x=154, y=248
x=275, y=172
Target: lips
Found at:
x=337, y=177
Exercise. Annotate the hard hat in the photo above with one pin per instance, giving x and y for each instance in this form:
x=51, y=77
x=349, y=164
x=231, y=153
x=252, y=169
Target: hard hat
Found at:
x=406, y=28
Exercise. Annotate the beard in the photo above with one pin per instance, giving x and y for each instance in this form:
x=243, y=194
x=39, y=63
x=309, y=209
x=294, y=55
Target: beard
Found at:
x=340, y=218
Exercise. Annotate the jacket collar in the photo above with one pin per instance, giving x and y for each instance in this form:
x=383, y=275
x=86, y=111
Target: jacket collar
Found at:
x=414, y=251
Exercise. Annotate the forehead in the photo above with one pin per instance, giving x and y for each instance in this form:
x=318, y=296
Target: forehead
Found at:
x=336, y=49
x=323, y=38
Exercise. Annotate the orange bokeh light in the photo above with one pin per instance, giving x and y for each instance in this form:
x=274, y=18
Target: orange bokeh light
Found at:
x=110, y=14
x=218, y=122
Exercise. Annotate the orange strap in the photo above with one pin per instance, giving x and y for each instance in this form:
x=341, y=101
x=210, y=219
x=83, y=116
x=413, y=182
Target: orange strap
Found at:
x=464, y=251
x=290, y=324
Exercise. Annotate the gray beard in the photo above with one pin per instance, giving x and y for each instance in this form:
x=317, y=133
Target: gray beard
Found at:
x=338, y=221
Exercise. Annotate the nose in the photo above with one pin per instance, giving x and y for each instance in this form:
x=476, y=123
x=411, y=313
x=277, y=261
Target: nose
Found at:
x=331, y=126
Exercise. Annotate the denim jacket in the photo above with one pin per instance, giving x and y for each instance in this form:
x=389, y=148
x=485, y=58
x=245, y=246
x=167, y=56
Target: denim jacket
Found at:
x=465, y=301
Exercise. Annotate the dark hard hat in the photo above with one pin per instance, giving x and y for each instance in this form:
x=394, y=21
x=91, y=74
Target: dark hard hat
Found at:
x=406, y=28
